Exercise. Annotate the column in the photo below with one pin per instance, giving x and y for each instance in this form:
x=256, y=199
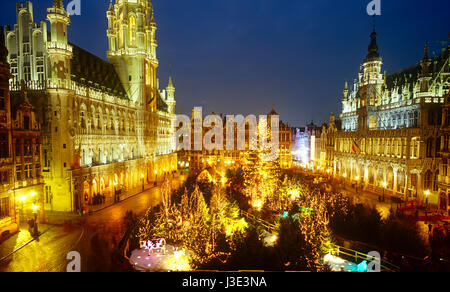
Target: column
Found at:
x=395, y=181
x=407, y=182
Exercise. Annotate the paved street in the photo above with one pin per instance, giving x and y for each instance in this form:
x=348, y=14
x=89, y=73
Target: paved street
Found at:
x=94, y=239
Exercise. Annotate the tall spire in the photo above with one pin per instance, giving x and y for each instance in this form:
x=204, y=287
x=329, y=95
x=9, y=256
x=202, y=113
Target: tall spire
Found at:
x=374, y=23
x=170, y=83
x=373, y=48
x=425, y=60
x=152, y=20
x=58, y=4
x=345, y=92
x=373, y=54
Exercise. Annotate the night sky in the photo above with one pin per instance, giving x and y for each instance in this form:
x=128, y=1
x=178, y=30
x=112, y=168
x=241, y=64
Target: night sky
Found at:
x=242, y=56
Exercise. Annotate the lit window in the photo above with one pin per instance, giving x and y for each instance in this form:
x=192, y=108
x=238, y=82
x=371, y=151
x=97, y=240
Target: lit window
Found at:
x=132, y=31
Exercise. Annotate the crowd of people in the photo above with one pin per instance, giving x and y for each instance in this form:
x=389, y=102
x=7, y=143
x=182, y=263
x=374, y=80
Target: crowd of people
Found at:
x=98, y=199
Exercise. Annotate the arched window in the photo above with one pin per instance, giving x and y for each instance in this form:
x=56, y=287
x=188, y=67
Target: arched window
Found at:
x=99, y=118
x=121, y=36
x=428, y=180
x=435, y=181
x=132, y=30
x=147, y=74
x=83, y=118
x=429, y=147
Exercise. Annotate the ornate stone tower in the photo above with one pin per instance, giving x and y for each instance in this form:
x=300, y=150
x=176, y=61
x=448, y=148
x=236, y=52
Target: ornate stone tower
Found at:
x=132, y=48
x=170, y=89
x=59, y=51
x=5, y=107
x=57, y=142
x=370, y=82
x=425, y=76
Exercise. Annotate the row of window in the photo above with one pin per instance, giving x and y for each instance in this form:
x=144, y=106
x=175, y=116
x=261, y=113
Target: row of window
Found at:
x=4, y=207
x=396, y=147
x=4, y=177
x=27, y=173
x=110, y=123
x=27, y=76
x=28, y=148
x=431, y=181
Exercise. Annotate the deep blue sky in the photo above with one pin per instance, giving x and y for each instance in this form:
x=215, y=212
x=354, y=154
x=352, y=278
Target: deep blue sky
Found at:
x=242, y=56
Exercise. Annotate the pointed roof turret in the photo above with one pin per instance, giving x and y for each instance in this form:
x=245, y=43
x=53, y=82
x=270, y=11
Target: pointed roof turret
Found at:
x=273, y=112
x=425, y=60
x=58, y=4
x=152, y=20
x=373, y=48
x=170, y=83
x=345, y=92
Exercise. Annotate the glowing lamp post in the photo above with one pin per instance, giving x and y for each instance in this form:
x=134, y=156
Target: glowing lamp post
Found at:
x=35, y=209
x=427, y=194
x=156, y=177
x=22, y=200
x=142, y=178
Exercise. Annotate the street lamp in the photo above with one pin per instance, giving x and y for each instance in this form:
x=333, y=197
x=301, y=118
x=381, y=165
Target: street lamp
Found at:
x=142, y=178
x=156, y=177
x=427, y=193
x=22, y=200
x=35, y=208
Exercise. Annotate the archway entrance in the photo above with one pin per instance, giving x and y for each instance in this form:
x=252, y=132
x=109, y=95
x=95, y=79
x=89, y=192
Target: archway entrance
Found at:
x=401, y=181
x=390, y=178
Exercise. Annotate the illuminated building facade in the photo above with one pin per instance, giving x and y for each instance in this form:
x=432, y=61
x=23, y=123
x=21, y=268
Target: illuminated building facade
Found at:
x=26, y=146
x=390, y=134
x=8, y=218
x=444, y=176
x=323, y=143
x=21, y=181
x=107, y=127
x=303, y=143
x=197, y=160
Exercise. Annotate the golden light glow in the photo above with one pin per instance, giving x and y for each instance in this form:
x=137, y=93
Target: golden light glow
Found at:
x=384, y=184
x=32, y=194
x=427, y=193
x=257, y=204
x=22, y=198
x=235, y=226
x=178, y=262
x=35, y=207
